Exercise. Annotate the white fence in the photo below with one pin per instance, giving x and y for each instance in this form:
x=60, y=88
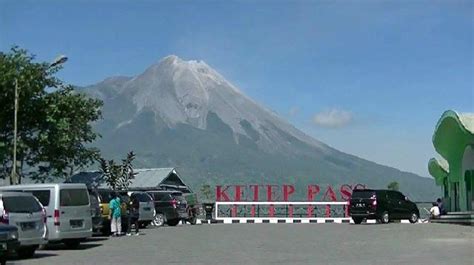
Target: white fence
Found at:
x=281, y=212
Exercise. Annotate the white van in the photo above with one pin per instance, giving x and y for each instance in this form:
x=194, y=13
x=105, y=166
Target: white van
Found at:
x=67, y=210
x=25, y=212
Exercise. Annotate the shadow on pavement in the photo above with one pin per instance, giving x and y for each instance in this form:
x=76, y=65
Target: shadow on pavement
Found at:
x=38, y=255
x=97, y=238
x=82, y=246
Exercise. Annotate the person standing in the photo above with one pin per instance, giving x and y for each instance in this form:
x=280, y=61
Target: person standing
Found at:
x=115, y=215
x=442, y=210
x=133, y=216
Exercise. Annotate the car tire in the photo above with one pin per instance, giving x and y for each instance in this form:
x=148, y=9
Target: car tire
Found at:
x=357, y=220
x=72, y=243
x=385, y=218
x=159, y=219
x=173, y=222
x=26, y=252
x=413, y=218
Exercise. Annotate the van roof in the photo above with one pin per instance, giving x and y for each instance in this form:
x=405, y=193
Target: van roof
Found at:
x=46, y=185
x=164, y=191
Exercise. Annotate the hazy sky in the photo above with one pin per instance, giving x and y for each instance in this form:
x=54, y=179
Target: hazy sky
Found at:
x=370, y=78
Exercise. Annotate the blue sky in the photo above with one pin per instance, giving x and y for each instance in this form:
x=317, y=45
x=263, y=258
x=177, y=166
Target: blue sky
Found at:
x=370, y=78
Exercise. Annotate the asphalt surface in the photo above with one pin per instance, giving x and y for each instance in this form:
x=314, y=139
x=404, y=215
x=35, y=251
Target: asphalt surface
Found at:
x=276, y=244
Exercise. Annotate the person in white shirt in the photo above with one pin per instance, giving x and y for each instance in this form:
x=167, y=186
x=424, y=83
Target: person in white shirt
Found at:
x=434, y=211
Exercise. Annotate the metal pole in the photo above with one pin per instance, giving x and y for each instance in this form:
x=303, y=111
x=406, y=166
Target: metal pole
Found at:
x=13, y=178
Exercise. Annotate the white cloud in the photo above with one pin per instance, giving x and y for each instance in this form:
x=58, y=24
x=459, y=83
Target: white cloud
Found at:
x=333, y=118
x=293, y=111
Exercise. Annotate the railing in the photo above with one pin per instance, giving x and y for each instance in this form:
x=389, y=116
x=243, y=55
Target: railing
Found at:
x=281, y=210
x=296, y=210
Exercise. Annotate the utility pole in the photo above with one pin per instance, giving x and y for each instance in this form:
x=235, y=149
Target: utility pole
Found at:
x=14, y=176
x=14, y=179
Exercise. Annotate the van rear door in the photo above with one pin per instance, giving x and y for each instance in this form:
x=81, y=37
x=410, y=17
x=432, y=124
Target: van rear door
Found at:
x=74, y=209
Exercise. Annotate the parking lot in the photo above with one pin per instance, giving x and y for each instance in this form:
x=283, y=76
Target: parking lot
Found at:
x=275, y=244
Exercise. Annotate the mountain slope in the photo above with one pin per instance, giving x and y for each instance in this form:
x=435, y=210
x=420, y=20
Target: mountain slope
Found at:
x=185, y=114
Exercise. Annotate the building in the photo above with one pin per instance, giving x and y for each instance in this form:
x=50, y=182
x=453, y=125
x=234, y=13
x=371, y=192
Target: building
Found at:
x=453, y=139
x=146, y=178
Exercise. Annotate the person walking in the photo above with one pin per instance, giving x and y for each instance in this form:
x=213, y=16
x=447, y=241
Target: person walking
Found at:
x=115, y=215
x=133, y=216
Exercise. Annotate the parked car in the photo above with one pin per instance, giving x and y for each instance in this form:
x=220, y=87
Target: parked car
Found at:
x=68, y=215
x=8, y=241
x=147, y=208
x=25, y=212
x=96, y=215
x=170, y=207
x=104, y=196
x=382, y=205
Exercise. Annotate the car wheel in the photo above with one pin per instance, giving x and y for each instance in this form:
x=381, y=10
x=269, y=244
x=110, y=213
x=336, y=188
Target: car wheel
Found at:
x=72, y=243
x=26, y=252
x=159, y=220
x=385, y=218
x=413, y=218
x=357, y=220
x=173, y=222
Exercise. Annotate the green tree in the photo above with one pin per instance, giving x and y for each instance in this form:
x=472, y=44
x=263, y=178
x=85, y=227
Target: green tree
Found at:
x=118, y=177
x=54, y=122
x=206, y=192
x=393, y=186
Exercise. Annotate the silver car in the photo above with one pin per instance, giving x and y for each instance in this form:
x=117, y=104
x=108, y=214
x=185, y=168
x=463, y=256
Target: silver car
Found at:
x=25, y=212
x=147, y=207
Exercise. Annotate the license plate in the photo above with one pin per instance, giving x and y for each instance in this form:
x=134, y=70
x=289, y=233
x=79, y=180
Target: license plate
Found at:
x=28, y=226
x=76, y=223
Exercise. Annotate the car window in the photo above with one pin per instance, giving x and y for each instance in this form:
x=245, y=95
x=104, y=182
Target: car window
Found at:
x=21, y=204
x=73, y=197
x=42, y=195
x=396, y=195
x=142, y=197
x=105, y=196
x=400, y=196
x=362, y=194
x=161, y=196
x=93, y=199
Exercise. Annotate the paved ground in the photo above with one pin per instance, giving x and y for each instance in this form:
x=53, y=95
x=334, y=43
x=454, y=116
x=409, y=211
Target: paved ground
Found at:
x=277, y=244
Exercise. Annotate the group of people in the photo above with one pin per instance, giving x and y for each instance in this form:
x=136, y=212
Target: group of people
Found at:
x=132, y=211
x=437, y=209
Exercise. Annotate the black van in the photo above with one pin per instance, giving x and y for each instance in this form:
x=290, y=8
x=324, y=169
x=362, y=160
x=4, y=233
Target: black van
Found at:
x=382, y=205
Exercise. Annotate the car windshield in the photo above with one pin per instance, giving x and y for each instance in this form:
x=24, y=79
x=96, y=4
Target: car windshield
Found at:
x=21, y=204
